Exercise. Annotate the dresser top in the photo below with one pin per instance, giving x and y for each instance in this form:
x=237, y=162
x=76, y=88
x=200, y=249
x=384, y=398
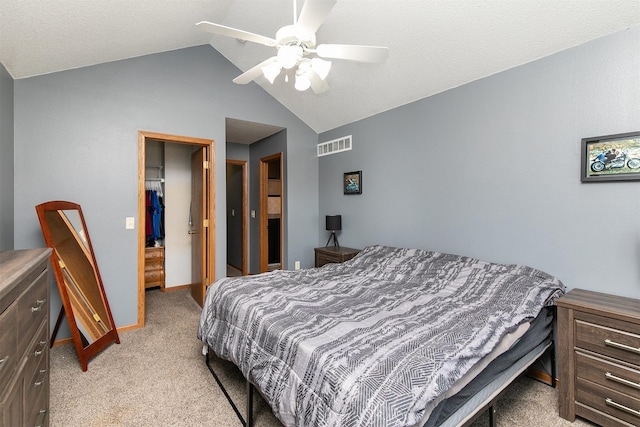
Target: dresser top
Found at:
x=15, y=264
x=600, y=303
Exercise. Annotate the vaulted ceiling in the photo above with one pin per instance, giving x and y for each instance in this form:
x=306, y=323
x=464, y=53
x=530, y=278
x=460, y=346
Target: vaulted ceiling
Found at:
x=434, y=45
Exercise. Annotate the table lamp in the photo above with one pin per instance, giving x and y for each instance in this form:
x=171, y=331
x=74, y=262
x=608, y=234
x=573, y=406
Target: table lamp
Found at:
x=333, y=224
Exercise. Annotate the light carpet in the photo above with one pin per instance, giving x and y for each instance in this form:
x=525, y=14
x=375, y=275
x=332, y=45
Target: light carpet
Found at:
x=157, y=376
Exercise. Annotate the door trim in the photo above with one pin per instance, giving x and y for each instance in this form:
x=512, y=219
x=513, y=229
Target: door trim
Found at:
x=143, y=136
x=245, y=212
x=264, y=218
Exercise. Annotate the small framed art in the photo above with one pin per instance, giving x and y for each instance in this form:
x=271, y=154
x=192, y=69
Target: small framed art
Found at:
x=611, y=158
x=352, y=182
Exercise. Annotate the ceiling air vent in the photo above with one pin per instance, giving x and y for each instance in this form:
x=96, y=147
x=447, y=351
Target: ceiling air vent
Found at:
x=334, y=146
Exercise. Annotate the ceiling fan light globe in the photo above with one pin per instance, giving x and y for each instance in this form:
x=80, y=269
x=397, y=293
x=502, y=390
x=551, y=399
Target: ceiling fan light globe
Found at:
x=271, y=71
x=321, y=67
x=289, y=55
x=302, y=82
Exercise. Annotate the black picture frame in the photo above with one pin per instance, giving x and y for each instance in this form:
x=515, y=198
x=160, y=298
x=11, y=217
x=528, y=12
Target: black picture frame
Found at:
x=352, y=182
x=611, y=158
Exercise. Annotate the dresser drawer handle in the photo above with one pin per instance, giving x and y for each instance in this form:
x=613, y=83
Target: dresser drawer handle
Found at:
x=610, y=402
x=37, y=383
x=43, y=414
x=38, y=306
x=610, y=376
x=44, y=347
x=621, y=346
x=3, y=361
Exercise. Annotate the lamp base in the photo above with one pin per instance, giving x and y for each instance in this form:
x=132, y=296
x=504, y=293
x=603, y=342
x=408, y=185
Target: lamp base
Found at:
x=335, y=240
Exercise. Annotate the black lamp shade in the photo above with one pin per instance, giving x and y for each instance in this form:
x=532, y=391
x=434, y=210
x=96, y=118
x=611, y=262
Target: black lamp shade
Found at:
x=334, y=222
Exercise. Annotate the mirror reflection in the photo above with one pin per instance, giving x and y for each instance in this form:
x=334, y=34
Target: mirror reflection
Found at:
x=73, y=260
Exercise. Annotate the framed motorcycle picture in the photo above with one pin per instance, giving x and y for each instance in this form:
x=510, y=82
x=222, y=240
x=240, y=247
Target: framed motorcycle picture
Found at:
x=611, y=158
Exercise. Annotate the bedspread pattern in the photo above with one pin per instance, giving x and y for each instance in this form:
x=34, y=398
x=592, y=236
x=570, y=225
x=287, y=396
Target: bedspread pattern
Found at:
x=369, y=342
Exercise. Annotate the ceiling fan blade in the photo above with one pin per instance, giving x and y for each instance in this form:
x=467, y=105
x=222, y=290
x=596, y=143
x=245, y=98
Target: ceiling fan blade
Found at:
x=253, y=73
x=353, y=52
x=317, y=84
x=223, y=30
x=313, y=14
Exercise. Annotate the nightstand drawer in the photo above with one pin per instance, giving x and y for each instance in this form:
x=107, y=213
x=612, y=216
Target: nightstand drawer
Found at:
x=615, y=343
x=329, y=257
x=333, y=254
x=608, y=374
x=608, y=401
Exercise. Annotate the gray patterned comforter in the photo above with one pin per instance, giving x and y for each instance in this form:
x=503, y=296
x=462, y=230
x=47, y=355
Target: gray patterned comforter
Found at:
x=372, y=341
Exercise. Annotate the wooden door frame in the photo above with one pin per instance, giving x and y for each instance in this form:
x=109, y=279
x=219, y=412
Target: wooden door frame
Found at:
x=245, y=212
x=264, y=219
x=143, y=136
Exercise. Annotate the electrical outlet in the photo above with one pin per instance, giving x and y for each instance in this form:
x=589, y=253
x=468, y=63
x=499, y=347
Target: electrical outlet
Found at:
x=297, y=265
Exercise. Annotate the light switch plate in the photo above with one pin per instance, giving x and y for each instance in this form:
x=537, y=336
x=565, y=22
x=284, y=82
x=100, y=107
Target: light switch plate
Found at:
x=130, y=223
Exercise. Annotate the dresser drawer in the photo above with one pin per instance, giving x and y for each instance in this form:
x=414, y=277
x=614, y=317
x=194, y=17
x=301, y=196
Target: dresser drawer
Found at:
x=38, y=350
x=36, y=394
x=153, y=253
x=610, y=402
x=33, y=307
x=616, y=343
x=153, y=276
x=611, y=375
x=153, y=264
x=8, y=350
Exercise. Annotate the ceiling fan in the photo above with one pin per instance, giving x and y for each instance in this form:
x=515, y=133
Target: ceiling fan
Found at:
x=296, y=48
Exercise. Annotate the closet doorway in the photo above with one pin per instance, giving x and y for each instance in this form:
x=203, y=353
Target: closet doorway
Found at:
x=271, y=213
x=237, y=226
x=203, y=230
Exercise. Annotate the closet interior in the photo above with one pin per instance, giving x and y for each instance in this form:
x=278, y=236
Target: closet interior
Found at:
x=154, y=254
x=168, y=214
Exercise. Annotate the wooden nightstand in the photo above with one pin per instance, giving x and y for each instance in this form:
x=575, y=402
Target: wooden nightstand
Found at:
x=334, y=254
x=599, y=358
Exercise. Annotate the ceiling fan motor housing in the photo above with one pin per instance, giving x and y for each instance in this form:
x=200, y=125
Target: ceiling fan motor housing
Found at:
x=294, y=35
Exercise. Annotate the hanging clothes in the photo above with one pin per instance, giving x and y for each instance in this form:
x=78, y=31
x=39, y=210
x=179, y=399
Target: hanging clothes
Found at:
x=154, y=227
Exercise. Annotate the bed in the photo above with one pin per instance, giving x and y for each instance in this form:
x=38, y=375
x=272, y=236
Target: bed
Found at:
x=392, y=337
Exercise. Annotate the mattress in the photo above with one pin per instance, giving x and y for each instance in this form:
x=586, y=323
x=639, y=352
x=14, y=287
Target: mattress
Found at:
x=374, y=341
x=476, y=389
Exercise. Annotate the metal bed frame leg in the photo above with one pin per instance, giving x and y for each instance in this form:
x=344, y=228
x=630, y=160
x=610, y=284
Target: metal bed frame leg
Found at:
x=250, y=392
x=493, y=415
x=249, y=416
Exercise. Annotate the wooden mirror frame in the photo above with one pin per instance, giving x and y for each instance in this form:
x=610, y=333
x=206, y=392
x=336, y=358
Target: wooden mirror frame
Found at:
x=74, y=264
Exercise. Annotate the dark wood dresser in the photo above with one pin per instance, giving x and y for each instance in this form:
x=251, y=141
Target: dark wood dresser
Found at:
x=599, y=358
x=24, y=337
x=334, y=254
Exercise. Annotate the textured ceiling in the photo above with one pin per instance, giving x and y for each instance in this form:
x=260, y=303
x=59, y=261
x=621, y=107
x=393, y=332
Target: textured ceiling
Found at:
x=434, y=45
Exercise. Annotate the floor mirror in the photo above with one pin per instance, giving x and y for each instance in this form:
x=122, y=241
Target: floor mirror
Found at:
x=84, y=301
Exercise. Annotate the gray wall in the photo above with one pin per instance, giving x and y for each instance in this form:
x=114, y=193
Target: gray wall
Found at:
x=76, y=138
x=6, y=160
x=491, y=169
